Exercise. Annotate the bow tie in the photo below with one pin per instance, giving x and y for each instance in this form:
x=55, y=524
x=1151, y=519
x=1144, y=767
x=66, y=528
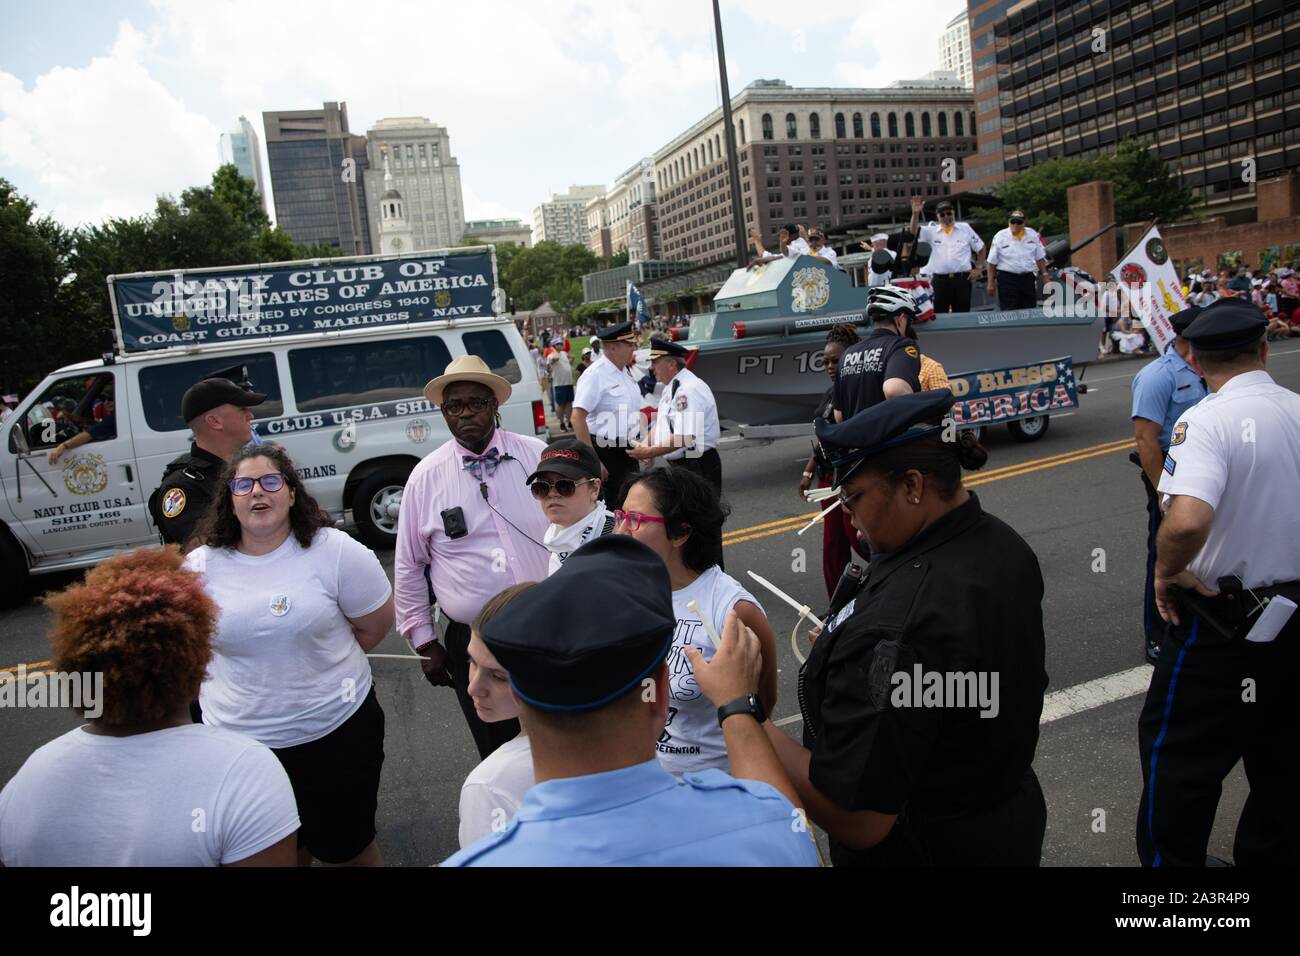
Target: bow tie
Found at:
x=482, y=465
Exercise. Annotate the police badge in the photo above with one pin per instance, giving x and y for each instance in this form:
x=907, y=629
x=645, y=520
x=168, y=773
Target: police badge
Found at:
x=879, y=673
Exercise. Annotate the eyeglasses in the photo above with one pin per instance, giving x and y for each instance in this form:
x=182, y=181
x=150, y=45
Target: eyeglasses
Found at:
x=458, y=405
x=633, y=520
x=946, y=212
x=846, y=501
x=564, y=487
x=271, y=483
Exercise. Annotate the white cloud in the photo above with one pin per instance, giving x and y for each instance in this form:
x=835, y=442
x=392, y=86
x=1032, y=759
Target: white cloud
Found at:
x=103, y=139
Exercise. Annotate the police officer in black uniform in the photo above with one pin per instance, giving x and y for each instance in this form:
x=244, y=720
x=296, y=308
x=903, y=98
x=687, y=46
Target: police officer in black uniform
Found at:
x=895, y=771
x=886, y=363
x=217, y=411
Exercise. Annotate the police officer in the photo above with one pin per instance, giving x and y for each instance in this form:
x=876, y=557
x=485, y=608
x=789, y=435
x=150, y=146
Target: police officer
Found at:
x=1162, y=391
x=217, y=411
x=885, y=364
x=594, y=696
x=607, y=407
x=922, y=695
x=1224, y=686
x=686, y=425
x=1016, y=257
x=954, y=254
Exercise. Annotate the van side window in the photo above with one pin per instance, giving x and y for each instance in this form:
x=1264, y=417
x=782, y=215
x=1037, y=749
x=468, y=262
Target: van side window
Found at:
x=491, y=346
x=364, y=373
x=161, y=386
x=69, y=407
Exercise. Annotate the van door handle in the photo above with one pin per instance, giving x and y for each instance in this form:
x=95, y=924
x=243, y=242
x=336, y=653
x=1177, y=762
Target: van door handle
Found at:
x=130, y=477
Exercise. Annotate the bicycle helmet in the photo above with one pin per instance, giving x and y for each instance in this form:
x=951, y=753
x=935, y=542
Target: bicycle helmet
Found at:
x=887, y=300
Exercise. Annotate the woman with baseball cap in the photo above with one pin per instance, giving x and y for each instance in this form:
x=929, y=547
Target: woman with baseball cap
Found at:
x=567, y=485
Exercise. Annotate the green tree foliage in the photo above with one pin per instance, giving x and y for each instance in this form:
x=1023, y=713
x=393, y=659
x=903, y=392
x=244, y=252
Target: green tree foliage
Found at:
x=551, y=271
x=1145, y=188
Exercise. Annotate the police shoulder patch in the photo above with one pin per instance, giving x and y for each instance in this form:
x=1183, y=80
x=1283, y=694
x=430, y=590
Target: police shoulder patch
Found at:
x=1179, y=435
x=911, y=350
x=173, y=502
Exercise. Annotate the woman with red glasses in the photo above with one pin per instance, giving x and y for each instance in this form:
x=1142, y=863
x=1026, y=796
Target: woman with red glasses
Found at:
x=301, y=603
x=677, y=514
x=567, y=486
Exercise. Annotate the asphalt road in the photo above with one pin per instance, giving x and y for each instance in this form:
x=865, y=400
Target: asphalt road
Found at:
x=1068, y=495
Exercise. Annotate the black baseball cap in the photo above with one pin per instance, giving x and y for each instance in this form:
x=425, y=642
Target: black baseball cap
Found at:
x=570, y=457
x=944, y=204
x=213, y=392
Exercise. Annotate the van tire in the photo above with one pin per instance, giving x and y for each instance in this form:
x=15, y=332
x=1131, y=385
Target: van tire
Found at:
x=1029, y=429
x=373, y=508
x=15, y=582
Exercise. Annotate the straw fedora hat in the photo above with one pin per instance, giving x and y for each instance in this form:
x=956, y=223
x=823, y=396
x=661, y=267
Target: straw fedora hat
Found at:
x=467, y=368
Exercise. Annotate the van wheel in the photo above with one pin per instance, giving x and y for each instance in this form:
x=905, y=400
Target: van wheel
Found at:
x=977, y=431
x=376, y=504
x=1028, y=429
x=15, y=582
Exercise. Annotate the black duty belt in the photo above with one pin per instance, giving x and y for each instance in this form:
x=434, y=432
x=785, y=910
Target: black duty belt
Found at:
x=1233, y=612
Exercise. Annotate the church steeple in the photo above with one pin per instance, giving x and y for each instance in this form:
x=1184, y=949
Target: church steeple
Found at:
x=395, y=234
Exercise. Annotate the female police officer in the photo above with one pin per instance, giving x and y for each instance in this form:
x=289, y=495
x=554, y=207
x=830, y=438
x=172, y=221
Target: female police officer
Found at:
x=922, y=695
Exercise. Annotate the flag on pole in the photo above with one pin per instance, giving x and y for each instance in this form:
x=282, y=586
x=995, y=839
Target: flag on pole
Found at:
x=1149, y=281
x=637, y=308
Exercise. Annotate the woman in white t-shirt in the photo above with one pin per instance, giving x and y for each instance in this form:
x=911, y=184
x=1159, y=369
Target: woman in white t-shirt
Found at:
x=567, y=486
x=678, y=514
x=140, y=785
x=495, y=788
x=301, y=604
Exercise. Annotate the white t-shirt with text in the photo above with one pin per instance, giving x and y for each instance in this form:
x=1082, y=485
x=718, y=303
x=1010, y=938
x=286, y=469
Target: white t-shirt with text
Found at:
x=184, y=796
x=692, y=739
x=286, y=668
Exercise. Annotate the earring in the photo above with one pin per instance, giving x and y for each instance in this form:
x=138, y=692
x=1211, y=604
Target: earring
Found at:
x=915, y=501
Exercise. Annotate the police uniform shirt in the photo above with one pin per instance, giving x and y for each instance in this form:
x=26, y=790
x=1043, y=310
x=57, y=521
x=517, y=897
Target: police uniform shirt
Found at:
x=641, y=816
x=874, y=744
x=1020, y=256
x=880, y=278
x=1238, y=450
x=687, y=407
x=1164, y=390
x=187, y=488
x=866, y=367
x=612, y=400
x=950, y=251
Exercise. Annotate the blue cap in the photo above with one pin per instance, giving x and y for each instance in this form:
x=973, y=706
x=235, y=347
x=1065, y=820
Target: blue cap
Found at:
x=590, y=632
x=622, y=332
x=1226, y=324
x=882, y=426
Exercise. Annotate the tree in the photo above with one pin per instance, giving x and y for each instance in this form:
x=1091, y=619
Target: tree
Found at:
x=240, y=196
x=33, y=265
x=535, y=273
x=1145, y=188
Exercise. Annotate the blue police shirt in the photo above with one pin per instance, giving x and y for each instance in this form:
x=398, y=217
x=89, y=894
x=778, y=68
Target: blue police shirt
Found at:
x=642, y=816
x=1164, y=390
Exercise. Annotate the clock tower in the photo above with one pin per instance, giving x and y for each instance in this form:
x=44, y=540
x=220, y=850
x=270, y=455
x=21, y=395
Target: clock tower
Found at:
x=395, y=236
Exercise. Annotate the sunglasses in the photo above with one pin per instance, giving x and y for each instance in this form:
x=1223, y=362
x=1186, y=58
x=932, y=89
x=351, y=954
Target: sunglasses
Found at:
x=946, y=212
x=1016, y=222
x=633, y=520
x=271, y=483
x=564, y=487
x=458, y=405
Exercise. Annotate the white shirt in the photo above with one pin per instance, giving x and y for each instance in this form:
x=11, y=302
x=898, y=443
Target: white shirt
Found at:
x=687, y=407
x=561, y=368
x=612, y=400
x=692, y=739
x=184, y=796
x=950, y=251
x=826, y=252
x=882, y=278
x=1238, y=450
x=1021, y=255
x=286, y=668
x=494, y=789
x=799, y=247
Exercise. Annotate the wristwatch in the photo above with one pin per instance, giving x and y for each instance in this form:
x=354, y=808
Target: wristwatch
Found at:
x=749, y=704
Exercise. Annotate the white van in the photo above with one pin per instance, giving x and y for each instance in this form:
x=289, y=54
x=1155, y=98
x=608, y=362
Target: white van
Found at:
x=346, y=405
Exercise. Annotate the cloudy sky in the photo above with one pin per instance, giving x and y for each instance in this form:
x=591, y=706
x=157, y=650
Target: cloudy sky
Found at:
x=105, y=105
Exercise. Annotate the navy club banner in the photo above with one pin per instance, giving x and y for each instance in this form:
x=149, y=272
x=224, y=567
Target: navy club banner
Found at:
x=166, y=310
x=1021, y=391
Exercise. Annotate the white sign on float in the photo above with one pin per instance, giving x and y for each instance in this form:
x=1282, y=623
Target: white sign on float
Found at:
x=1150, y=282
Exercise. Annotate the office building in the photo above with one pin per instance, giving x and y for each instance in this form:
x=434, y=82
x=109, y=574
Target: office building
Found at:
x=563, y=217
x=241, y=149
x=954, y=48
x=316, y=168
x=498, y=231
x=426, y=174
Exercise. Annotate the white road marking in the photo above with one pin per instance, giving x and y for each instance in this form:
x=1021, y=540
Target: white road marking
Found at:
x=1074, y=700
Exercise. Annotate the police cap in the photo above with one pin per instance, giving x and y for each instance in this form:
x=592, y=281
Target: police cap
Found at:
x=622, y=332
x=662, y=347
x=882, y=426
x=565, y=651
x=212, y=392
x=1181, y=320
x=236, y=373
x=1226, y=324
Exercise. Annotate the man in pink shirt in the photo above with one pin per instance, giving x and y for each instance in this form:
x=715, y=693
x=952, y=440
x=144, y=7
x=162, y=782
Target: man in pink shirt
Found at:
x=470, y=522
